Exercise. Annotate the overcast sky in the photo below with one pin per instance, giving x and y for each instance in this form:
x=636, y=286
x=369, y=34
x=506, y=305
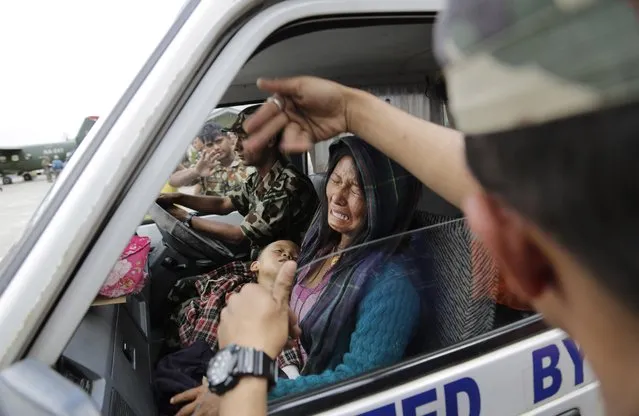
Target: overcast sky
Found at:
x=63, y=60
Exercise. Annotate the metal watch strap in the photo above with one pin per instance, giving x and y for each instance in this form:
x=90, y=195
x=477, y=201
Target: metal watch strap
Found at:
x=256, y=363
x=188, y=219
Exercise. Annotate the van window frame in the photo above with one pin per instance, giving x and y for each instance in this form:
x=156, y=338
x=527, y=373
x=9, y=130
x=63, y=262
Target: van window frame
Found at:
x=367, y=384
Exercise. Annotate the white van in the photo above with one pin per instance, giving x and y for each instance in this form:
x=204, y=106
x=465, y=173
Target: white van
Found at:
x=61, y=356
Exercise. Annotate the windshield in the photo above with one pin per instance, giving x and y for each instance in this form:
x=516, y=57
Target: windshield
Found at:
x=41, y=142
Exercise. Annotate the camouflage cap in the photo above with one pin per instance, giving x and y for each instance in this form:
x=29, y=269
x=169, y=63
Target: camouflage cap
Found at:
x=510, y=63
x=238, y=125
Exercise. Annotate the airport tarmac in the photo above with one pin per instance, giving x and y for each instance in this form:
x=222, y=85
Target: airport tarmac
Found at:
x=18, y=202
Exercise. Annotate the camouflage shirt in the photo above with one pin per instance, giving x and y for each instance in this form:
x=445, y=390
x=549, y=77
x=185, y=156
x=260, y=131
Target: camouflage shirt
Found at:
x=279, y=206
x=225, y=180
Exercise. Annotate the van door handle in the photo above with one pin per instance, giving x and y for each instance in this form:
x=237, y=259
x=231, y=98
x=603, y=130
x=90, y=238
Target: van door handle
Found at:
x=571, y=412
x=129, y=353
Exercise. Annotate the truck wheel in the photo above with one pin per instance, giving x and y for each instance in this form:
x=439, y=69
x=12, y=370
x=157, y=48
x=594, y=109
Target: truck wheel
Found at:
x=27, y=177
x=6, y=180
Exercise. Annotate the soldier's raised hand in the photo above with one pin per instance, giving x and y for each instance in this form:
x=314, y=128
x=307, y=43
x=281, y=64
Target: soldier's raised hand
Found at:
x=207, y=162
x=308, y=109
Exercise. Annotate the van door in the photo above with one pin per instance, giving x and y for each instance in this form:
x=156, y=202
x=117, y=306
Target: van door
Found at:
x=542, y=375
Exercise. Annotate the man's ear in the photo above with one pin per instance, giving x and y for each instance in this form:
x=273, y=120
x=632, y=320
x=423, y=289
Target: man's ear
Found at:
x=255, y=267
x=509, y=240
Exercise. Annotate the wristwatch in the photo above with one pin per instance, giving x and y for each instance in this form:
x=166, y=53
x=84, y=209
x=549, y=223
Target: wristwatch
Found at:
x=233, y=362
x=187, y=220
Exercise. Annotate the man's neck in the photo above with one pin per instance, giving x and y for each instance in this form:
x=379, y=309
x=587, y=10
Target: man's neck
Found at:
x=226, y=162
x=618, y=378
x=264, y=168
x=613, y=352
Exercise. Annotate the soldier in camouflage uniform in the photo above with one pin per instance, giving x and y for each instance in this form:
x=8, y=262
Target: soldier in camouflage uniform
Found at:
x=215, y=170
x=277, y=201
x=223, y=180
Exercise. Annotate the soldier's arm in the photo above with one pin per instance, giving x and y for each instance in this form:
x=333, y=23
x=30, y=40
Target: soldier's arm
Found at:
x=207, y=204
x=249, y=397
x=224, y=232
x=436, y=155
x=184, y=177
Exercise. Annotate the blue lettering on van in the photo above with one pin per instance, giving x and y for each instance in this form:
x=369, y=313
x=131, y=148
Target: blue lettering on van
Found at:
x=466, y=386
x=410, y=404
x=542, y=373
x=577, y=360
x=388, y=410
x=453, y=391
x=547, y=377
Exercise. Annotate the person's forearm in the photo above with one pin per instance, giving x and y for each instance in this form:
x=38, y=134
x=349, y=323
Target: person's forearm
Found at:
x=207, y=204
x=247, y=398
x=184, y=177
x=225, y=232
x=433, y=153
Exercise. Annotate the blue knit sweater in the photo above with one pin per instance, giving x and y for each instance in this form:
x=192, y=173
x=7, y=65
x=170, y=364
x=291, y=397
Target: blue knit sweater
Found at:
x=386, y=318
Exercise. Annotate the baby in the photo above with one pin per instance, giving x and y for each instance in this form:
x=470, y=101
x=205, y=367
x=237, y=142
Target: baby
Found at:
x=197, y=304
x=270, y=261
x=267, y=266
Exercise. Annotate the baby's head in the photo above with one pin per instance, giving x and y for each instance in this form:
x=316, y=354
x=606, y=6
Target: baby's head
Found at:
x=271, y=259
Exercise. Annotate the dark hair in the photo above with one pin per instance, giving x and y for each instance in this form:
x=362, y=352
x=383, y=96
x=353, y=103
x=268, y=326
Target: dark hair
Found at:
x=210, y=131
x=327, y=236
x=577, y=178
x=385, y=216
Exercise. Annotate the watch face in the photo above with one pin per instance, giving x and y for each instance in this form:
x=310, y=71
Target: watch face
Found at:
x=221, y=366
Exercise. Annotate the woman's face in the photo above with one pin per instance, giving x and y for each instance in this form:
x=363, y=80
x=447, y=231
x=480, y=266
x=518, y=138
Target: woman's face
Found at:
x=346, y=201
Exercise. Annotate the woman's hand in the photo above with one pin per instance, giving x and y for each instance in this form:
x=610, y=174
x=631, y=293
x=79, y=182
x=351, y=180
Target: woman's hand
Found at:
x=258, y=318
x=201, y=402
x=315, y=109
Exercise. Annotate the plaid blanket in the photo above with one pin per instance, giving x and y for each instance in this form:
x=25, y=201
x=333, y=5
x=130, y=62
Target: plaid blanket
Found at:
x=196, y=303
